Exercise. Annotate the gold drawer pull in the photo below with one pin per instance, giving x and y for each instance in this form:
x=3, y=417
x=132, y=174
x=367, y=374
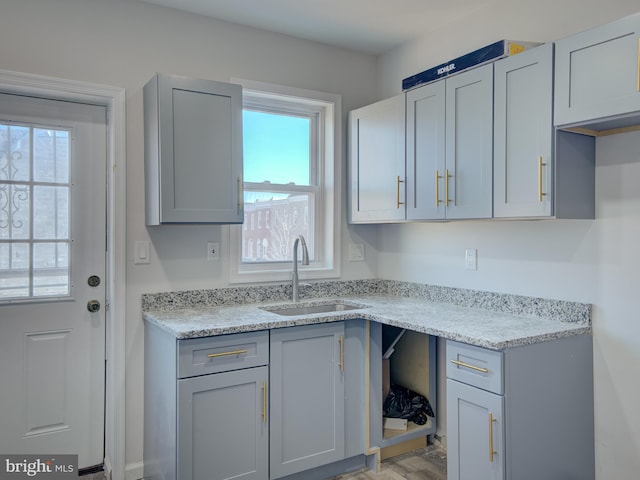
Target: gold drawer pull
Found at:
x=226, y=354
x=472, y=367
x=398, y=182
x=438, y=177
x=540, y=165
x=341, y=364
x=492, y=452
x=264, y=402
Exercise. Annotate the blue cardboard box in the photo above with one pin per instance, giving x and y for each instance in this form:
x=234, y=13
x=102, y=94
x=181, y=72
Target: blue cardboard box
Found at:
x=490, y=53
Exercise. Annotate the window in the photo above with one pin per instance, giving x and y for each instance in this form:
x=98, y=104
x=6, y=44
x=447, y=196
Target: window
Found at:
x=292, y=154
x=34, y=212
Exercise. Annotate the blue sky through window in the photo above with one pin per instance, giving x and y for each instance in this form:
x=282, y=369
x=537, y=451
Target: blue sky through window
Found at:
x=276, y=148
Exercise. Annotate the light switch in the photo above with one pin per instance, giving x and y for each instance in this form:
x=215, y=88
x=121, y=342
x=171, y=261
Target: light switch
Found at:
x=141, y=255
x=356, y=252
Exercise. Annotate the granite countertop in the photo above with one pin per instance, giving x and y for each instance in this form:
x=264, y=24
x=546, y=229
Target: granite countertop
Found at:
x=485, y=319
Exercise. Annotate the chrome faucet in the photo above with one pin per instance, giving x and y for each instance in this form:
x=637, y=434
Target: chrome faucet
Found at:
x=305, y=261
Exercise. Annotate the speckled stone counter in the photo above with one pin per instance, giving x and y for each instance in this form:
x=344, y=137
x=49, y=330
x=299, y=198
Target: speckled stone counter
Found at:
x=485, y=319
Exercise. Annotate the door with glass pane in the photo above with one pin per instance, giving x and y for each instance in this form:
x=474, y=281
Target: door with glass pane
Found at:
x=52, y=267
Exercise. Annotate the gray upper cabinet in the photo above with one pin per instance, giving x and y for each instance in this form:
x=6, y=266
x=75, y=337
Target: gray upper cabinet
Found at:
x=377, y=156
x=449, y=138
x=466, y=185
x=307, y=426
x=193, y=151
x=425, y=151
x=598, y=73
x=523, y=133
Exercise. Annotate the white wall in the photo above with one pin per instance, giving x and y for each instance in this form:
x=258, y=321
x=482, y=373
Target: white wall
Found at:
x=493, y=20
x=589, y=261
x=123, y=43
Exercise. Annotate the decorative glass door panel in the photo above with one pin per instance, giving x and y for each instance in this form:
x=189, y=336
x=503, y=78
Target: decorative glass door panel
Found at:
x=35, y=189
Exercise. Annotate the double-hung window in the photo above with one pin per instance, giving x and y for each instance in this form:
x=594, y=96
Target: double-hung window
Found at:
x=292, y=151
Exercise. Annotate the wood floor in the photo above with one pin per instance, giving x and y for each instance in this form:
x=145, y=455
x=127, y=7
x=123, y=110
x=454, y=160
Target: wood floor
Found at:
x=426, y=464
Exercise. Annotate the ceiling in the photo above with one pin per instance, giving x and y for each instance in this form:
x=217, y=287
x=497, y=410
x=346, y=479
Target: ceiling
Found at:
x=370, y=26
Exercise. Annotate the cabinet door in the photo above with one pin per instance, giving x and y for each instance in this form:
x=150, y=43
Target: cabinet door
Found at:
x=523, y=159
x=377, y=155
x=426, y=152
x=475, y=433
x=598, y=72
x=307, y=397
x=469, y=144
x=222, y=426
x=193, y=151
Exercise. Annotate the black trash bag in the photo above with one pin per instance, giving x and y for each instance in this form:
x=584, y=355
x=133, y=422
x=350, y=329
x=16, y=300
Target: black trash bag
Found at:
x=404, y=403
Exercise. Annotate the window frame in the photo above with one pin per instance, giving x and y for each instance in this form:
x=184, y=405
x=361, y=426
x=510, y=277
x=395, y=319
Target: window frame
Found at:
x=326, y=264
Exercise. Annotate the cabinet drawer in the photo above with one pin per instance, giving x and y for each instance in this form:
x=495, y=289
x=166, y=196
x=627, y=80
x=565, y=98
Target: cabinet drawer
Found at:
x=475, y=366
x=200, y=356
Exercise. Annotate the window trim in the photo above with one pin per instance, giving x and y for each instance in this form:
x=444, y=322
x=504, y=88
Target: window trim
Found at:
x=328, y=262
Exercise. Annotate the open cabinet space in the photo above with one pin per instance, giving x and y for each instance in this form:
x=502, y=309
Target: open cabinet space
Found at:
x=410, y=363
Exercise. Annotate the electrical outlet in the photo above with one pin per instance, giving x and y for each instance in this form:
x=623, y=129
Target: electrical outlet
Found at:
x=471, y=259
x=213, y=251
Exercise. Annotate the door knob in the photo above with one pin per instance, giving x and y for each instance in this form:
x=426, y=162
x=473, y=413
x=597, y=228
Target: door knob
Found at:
x=93, y=306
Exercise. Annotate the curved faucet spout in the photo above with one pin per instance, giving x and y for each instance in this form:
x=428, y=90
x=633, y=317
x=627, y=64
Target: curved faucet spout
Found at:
x=295, y=286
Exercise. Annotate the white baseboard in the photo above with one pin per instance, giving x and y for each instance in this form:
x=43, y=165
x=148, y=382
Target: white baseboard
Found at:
x=134, y=471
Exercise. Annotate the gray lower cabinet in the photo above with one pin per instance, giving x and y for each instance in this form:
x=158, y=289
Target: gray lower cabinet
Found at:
x=193, y=151
x=255, y=405
x=307, y=397
x=475, y=442
x=206, y=406
x=597, y=73
x=222, y=426
x=524, y=413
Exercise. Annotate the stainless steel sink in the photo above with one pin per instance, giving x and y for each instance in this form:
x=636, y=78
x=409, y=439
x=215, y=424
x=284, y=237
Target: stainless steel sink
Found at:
x=313, y=308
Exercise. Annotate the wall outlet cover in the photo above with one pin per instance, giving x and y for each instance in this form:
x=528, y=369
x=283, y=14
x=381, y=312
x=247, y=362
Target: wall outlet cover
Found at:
x=213, y=251
x=471, y=259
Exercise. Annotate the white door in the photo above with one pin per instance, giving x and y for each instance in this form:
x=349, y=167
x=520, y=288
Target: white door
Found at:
x=52, y=263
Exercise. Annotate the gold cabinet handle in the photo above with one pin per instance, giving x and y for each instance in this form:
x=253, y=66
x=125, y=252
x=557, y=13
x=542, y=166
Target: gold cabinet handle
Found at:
x=240, y=195
x=446, y=188
x=468, y=365
x=341, y=363
x=398, y=182
x=638, y=64
x=492, y=452
x=226, y=354
x=540, y=192
x=264, y=402
x=438, y=177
